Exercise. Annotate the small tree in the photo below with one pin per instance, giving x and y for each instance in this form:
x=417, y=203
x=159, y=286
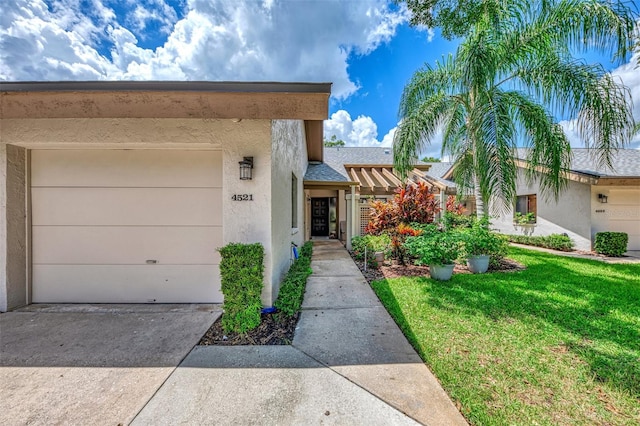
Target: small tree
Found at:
x=414, y=203
x=411, y=203
x=334, y=141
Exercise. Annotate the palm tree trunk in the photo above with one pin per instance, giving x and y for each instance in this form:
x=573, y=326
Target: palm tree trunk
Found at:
x=480, y=210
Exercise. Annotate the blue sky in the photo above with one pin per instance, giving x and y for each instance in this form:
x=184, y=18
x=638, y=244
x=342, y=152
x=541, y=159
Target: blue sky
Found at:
x=365, y=47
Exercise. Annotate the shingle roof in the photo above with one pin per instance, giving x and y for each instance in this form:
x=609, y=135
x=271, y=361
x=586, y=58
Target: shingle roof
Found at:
x=626, y=162
x=325, y=173
x=335, y=158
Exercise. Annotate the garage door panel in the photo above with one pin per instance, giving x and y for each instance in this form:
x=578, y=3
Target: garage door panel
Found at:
x=126, y=284
x=126, y=245
x=127, y=206
x=126, y=168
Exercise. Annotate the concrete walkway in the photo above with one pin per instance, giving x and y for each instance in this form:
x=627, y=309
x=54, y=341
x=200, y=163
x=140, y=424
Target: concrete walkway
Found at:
x=349, y=364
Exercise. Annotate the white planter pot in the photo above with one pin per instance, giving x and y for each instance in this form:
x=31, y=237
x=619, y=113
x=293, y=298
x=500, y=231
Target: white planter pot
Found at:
x=441, y=272
x=478, y=264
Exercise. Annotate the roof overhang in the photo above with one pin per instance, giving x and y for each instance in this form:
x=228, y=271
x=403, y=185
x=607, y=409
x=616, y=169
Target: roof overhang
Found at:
x=337, y=185
x=172, y=99
x=160, y=99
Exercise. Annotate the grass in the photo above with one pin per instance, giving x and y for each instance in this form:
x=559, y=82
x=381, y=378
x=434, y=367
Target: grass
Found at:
x=558, y=343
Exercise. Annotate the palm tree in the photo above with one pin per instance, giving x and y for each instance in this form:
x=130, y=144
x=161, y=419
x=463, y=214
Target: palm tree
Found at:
x=509, y=79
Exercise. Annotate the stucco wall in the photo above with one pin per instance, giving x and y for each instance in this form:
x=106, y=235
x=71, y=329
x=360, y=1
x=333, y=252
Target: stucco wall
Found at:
x=120, y=132
x=571, y=214
x=289, y=152
x=242, y=221
x=249, y=221
x=13, y=256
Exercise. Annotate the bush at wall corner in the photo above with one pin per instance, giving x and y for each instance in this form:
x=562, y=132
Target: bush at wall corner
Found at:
x=611, y=243
x=241, y=272
x=292, y=288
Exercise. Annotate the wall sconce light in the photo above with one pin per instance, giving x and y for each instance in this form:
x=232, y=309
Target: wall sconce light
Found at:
x=246, y=168
x=602, y=198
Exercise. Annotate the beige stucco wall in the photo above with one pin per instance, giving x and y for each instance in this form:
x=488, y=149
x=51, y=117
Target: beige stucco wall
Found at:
x=13, y=229
x=242, y=221
x=289, y=153
x=570, y=214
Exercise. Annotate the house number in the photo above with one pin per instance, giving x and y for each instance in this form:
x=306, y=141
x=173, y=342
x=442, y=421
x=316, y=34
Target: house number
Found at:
x=242, y=197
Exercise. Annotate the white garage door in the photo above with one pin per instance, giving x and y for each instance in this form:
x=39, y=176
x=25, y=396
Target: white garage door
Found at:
x=126, y=226
x=624, y=214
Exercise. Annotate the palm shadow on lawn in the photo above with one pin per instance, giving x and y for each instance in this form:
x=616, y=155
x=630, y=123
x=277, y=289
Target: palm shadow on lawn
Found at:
x=580, y=300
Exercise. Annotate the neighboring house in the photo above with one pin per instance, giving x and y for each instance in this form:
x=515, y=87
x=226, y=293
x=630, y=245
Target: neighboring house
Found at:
x=338, y=190
x=121, y=192
x=597, y=199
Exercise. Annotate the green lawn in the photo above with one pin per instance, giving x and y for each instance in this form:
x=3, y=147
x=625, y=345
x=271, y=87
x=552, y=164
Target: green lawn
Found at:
x=558, y=343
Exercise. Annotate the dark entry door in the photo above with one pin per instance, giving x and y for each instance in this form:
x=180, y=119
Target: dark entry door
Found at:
x=319, y=217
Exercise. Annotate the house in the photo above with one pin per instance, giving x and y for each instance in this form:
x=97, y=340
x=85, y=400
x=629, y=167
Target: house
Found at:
x=339, y=188
x=598, y=198
x=121, y=192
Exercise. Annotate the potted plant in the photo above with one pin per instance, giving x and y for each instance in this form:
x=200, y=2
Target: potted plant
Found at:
x=439, y=251
x=479, y=244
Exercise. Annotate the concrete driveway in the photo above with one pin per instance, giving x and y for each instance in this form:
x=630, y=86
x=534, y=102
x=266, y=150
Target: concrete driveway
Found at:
x=92, y=364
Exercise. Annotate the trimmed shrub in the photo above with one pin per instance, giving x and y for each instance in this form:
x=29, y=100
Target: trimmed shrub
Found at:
x=241, y=270
x=553, y=241
x=611, y=243
x=291, y=293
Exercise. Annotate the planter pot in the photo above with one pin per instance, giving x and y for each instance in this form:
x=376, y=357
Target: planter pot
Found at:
x=478, y=264
x=379, y=256
x=441, y=272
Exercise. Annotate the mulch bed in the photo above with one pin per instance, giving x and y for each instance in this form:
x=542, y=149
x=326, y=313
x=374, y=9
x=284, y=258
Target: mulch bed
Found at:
x=392, y=269
x=278, y=329
x=274, y=329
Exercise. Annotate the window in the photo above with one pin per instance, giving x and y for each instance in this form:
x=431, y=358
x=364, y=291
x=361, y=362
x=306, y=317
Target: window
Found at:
x=526, y=208
x=294, y=201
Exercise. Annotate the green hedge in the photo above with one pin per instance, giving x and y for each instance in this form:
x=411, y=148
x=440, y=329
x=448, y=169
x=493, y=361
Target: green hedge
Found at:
x=241, y=270
x=611, y=243
x=291, y=293
x=553, y=241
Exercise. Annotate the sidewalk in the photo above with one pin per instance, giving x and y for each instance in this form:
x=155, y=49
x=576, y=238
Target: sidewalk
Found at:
x=349, y=364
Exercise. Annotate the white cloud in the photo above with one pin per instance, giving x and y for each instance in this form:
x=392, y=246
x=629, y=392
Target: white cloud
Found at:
x=362, y=131
x=214, y=40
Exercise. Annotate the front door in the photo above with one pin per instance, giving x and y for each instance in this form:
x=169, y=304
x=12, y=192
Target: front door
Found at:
x=319, y=217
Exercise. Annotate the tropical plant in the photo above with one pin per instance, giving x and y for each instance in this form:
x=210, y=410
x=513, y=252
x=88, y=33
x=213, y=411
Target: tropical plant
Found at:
x=372, y=244
x=453, y=206
x=524, y=219
x=411, y=203
x=442, y=248
x=510, y=78
x=479, y=240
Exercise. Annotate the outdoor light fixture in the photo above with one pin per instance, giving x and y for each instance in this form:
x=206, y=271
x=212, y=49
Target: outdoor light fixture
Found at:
x=602, y=198
x=246, y=168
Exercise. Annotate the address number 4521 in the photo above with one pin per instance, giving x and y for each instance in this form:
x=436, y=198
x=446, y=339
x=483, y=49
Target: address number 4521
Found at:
x=242, y=197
